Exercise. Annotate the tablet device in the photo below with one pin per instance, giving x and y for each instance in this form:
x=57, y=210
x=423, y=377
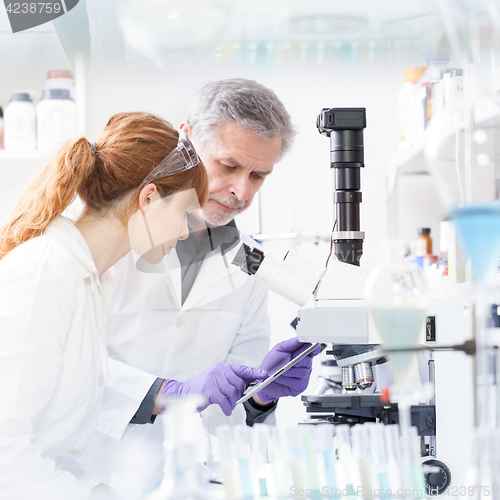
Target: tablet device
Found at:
x=256, y=388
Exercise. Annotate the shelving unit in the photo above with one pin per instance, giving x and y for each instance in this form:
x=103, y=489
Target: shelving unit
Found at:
x=16, y=168
x=443, y=141
x=458, y=152
x=438, y=142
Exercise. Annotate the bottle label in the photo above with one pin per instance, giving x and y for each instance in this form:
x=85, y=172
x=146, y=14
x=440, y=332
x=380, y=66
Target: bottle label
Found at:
x=421, y=247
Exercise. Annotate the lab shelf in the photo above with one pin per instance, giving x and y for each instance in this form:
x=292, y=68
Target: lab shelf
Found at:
x=443, y=141
x=407, y=161
x=444, y=134
x=411, y=159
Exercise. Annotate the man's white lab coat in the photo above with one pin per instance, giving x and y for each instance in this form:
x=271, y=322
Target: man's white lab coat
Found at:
x=53, y=363
x=150, y=335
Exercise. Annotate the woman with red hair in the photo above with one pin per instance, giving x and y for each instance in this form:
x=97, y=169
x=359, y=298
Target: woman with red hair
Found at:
x=137, y=181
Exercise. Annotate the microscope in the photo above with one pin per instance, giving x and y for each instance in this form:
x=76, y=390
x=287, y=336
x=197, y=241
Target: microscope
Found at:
x=332, y=311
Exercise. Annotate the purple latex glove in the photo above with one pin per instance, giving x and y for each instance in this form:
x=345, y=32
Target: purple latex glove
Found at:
x=295, y=380
x=220, y=383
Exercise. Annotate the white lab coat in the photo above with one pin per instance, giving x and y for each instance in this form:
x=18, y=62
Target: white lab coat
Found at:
x=53, y=363
x=224, y=319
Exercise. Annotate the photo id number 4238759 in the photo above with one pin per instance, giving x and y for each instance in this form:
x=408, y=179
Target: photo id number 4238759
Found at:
x=469, y=491
x=33, y=8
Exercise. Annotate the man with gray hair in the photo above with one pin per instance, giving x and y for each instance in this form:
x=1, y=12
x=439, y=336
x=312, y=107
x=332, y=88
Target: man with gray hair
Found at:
x=177, y=326
x=233, y=118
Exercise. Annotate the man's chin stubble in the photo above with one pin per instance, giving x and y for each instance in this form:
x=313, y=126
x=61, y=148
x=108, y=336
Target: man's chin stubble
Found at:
x=218, y=217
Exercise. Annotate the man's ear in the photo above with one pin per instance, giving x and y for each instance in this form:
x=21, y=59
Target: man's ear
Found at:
x=186, y=128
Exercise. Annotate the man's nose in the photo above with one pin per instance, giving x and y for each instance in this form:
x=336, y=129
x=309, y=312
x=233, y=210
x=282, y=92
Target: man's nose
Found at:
x=241, y=188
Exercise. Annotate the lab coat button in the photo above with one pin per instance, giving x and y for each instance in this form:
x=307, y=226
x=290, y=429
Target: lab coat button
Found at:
x=179, y=322
x=101, y=379
x=74, y=452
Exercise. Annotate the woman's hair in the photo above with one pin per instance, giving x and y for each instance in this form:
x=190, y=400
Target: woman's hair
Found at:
x=131, y=145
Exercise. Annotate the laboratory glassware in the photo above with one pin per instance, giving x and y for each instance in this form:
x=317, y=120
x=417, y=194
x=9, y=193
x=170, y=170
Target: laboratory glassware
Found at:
x=185, y=448
x=468, y=183
x=396, y=296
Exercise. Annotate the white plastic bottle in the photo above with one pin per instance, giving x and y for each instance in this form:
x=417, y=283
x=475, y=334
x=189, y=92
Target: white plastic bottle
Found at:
x=56, y=119
x=19, y=122
x=60, y=79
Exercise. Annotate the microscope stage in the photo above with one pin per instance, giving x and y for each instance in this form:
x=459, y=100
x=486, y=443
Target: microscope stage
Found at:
x=359, y=408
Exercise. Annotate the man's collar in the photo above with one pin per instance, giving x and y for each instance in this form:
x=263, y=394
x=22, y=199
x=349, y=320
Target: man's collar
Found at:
x=224, y=237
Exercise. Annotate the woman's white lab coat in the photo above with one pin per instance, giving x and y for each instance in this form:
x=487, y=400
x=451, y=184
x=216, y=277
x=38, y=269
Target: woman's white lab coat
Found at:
x=53, y=363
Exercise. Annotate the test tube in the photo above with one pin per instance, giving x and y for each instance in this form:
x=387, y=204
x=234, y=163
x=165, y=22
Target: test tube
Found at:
x=391, y=435
x=345, y=462
x=404, y=447
x=360, y=448
x=259, y=458
x=379, y=458
x=324, y=436
x=242, y=440
x=417, y=474
x=297, y=460
x=228, y=461
x=279, y=456
x=306, y=432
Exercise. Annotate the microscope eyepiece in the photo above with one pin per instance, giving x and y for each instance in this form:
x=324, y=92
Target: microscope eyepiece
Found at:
x=341, y=119
x=345, y=127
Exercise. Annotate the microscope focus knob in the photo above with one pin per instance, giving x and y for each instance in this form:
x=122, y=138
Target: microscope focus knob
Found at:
x=437, y=482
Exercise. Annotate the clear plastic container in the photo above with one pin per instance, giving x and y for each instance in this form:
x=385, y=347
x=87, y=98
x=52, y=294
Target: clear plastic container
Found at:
x=60, y=79
x=56, y=119
x=20, y=124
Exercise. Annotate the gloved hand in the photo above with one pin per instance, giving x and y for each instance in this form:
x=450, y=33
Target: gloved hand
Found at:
x=293, y=381
x=220, y=383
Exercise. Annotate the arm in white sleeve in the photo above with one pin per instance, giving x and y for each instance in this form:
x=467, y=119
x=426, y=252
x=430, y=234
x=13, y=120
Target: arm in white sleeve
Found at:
x=36, y=308
x=124, y=391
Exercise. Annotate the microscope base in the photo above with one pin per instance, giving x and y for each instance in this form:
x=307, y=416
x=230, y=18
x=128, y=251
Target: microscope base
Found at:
x=360, y=408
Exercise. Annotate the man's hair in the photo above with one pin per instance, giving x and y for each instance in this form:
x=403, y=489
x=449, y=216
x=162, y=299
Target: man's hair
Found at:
x=246, y=102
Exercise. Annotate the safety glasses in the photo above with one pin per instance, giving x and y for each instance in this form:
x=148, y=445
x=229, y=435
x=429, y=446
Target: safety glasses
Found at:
x=183, y=157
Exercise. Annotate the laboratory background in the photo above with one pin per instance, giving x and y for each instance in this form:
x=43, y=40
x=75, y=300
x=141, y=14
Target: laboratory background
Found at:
x=427, y=74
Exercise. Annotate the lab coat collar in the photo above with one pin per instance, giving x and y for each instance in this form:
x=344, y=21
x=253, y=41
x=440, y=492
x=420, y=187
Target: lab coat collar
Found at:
x=221, y=240
x=69, y=235
x=216, y=278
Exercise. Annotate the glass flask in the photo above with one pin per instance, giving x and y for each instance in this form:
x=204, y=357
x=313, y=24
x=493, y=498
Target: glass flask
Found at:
x=396, y=296
x=185, y=445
